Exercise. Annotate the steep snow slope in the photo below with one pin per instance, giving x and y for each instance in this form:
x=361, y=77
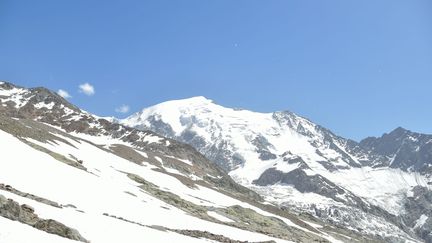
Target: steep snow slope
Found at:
x=66, y=172
x=105, y=188
x=292, y=161
x=249, y=137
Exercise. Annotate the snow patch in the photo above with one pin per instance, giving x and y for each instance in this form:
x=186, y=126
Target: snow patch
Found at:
x=220, y=217
x=421, y=221
x=152, y=139
x=41, y=105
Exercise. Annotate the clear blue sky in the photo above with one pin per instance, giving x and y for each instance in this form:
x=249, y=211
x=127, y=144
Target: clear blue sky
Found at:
x=359, y=68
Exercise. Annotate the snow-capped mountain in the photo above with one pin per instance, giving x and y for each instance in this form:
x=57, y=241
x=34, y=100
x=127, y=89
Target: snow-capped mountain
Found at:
x=67, y=175
x=369, y=187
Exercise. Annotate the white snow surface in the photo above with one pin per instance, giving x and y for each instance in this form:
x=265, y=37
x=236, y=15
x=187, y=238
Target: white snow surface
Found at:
x=13, y=231
x=105, y=189
x=15, y=95
x=238, y=128
x=219, y=217
x=216, y=124
x=421, y=221
x=48, y=106
x=287, y=136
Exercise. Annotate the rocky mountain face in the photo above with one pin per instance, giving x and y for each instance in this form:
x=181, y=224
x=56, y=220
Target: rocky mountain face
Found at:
x=290, y=161
x=67, y=175
x=403, y=149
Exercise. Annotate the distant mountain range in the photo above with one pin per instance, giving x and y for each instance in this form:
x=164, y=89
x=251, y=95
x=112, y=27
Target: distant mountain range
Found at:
x=193, y=171
x=379, y=186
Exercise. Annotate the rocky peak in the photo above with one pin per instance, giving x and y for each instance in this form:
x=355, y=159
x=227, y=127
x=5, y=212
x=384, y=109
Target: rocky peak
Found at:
x=19, y=101
x=403, y=149
x=41, y=94
x=7, y=85
x=399, y=131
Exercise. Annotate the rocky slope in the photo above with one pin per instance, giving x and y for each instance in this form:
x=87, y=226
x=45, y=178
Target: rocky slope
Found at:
x=291, y=161
x=403, y=149
x=67, y=175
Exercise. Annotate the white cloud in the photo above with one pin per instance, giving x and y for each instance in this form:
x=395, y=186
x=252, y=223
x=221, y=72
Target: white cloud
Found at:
x=122, y=109
x=64, y=94
x=87, y=89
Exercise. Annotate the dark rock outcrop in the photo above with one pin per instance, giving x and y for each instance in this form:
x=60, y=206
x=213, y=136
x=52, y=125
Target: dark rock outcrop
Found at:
x=418, y=212
x=26, y=215
x=403, y=149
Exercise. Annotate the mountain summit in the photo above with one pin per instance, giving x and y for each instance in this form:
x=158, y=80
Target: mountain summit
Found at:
x=296, y=163
x=67, y=175
x=404, y=149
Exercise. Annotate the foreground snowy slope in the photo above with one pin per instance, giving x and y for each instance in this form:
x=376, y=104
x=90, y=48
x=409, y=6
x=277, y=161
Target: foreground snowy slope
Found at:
x=67, y=175
x=105, y=189
x=291, y=161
